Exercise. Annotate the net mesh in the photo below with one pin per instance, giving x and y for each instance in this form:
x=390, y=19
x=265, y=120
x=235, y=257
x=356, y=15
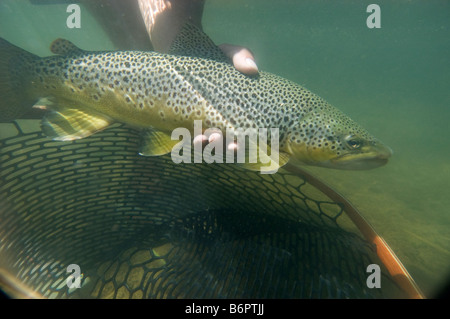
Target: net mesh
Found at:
x=144, y=227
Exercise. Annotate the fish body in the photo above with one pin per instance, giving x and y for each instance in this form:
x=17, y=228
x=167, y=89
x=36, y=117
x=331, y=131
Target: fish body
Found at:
x=84, y=92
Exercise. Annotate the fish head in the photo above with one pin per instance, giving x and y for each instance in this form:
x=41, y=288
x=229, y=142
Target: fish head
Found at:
x=329, y=138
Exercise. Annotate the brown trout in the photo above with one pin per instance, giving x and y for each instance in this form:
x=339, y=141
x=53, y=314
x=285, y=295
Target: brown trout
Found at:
x=84, y=92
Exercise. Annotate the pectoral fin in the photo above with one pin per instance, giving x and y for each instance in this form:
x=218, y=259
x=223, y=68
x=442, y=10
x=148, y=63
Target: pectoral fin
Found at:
x=71, y=124
x=268, y=168
x=44, y=103
x=265, y=163
x=156, y=143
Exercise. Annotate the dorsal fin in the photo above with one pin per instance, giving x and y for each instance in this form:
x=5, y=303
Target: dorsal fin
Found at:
x=191, y=41
x=64, y=47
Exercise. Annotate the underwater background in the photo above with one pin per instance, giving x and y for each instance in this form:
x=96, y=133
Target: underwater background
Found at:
x=394, y=81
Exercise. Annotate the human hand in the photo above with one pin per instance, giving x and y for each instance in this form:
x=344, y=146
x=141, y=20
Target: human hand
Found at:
x=243, y=59
x=165, y=18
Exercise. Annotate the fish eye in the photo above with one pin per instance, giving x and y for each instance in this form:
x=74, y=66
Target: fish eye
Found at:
x=353, y=143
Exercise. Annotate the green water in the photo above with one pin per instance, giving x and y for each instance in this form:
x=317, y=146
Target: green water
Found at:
x=394, y=81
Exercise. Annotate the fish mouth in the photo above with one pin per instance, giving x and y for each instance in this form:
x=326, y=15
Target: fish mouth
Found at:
x=371, y=158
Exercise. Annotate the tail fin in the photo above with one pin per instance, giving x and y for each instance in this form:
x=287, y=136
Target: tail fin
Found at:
x=14, y=65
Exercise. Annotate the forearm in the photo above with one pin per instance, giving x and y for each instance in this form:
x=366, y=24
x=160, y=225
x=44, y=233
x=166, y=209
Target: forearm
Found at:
x=165, y=18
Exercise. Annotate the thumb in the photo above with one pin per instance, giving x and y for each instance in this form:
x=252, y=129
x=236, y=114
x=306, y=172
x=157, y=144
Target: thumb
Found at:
x=242, y=58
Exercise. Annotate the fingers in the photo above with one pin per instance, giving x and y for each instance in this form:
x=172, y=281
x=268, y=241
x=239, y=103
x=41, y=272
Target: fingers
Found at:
x=212, y=137
x=200, y=139
x=242, y=58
